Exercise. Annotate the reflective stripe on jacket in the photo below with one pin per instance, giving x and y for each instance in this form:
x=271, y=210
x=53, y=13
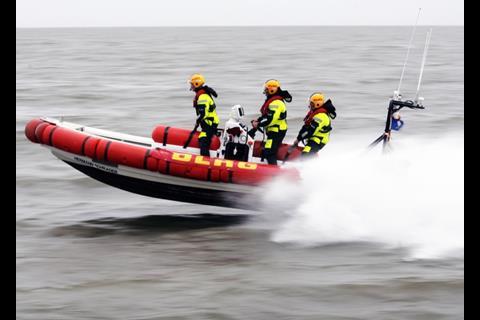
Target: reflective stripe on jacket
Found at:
x=322, y=131
x=277, y=114
x=206, y=110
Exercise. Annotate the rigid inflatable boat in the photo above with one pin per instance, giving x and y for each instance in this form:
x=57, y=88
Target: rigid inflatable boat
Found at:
x=162, y=166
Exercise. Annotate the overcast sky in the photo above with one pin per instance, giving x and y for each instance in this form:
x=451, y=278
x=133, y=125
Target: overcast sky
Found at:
x=102, y=13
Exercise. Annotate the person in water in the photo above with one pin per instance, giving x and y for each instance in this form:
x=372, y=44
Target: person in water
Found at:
x=205, y=108
x=397, y=122
x=315, y=132
x=273, y=119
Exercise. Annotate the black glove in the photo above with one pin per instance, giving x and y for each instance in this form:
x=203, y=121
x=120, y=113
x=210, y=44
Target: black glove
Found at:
x=252, y=132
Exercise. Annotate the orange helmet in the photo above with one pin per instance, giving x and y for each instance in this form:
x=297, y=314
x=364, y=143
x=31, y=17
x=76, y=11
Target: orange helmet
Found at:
x=317, y=100
x=197, y=80
x=271, y=86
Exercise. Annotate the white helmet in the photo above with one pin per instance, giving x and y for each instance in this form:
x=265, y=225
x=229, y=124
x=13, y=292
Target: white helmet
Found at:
x=237, y=113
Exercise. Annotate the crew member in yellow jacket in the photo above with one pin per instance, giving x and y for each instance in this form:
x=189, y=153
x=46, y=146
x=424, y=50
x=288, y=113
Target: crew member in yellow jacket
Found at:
x=315, y=132
x=205, y=108
x=273, y=119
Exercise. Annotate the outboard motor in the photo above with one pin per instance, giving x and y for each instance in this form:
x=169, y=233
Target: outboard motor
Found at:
x=236, y=144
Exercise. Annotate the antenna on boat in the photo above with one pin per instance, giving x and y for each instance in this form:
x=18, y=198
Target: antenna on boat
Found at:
x=408, y=52
x=396, y=102
x=424, y=58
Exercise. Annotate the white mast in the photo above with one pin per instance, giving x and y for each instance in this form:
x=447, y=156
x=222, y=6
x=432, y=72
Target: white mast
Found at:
x=397, y=93
x=424, y=58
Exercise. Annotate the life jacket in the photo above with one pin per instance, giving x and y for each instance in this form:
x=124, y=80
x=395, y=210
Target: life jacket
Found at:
x=328, y=106
x=322, y=132
x=203, y=90
x=211, y=116
x=312, y=113
x=264, y=108
x=282, y=95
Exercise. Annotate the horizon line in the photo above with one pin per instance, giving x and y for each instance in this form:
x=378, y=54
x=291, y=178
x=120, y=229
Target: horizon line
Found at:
x=246, y=26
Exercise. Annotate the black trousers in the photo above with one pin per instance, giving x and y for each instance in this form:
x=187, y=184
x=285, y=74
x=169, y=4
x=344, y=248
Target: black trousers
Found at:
x=236, y=151
x=313, y=150
x=205, y=139
x=270, y=148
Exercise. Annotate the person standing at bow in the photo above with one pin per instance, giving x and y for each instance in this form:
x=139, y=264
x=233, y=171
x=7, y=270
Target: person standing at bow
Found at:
x=273, y=119
x=315, y=132
x=205, y=108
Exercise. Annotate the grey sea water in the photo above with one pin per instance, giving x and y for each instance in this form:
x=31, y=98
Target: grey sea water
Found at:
x=85, y=250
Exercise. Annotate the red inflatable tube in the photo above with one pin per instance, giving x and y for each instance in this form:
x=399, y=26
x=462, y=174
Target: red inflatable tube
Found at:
x=39, y=131
x=69, y=140
x=30, y=128
x=178, y=164
x=215, y=170
x=46, y=135
x=283, y=150
x=152, y=164
x=102, y=149
x=215, y=175
x=126, y=154
x=90, y=147
x=177, y=136
x=281, y=153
